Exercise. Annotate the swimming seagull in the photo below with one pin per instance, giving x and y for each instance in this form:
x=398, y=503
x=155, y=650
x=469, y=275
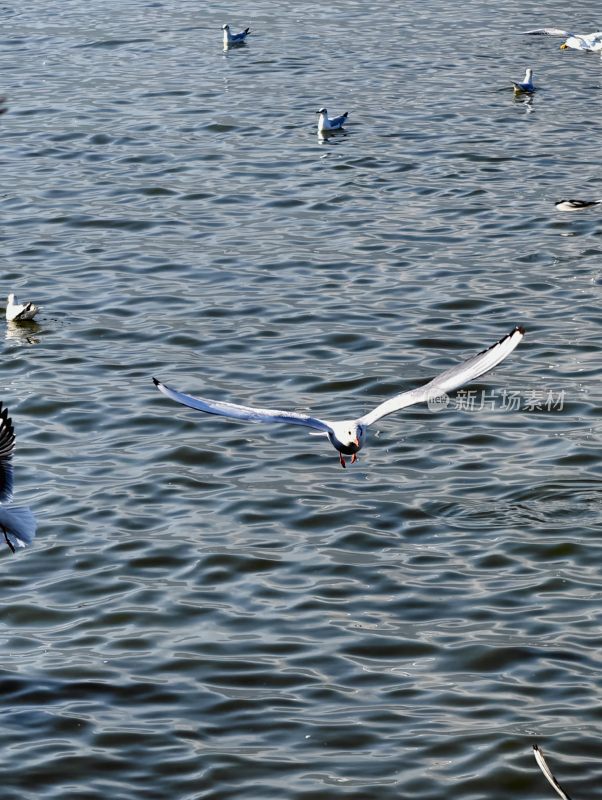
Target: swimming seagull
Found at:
x=232, y=39
x=548, y=772
x=575, y=205
x=18, y=524
x=334, y=124
x=526, y=87
x=17, y=312
x=349, y=436
x=574, y=41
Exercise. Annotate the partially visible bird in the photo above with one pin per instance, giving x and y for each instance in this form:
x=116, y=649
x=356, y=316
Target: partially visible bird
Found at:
x=541, y=762
x=334, y=124
x=575, y=205
x=17, y=312
x=574, y=41
x=349, y=436
x=526, y=86
x=233, y=39
x=18, y=523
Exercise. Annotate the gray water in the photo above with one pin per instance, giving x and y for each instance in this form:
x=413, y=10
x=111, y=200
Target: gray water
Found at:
x=214, y=609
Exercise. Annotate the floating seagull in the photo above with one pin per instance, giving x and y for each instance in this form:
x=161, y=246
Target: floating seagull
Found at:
x=349, y=436
x=17, y=312
x=575, y=205
x=548, y=772
x=526, y=87
x=326, y=124
x=18, y=524
x=232, y=39
x=574, y=41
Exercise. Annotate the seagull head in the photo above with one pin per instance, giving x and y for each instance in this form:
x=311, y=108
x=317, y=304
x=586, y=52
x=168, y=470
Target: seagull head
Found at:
x=225, y=27
x=321, y=111
x=348, y=436
x=528, y=75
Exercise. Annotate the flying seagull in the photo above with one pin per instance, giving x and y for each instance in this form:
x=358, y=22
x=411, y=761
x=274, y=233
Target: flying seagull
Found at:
x=575, y=205
x=17, y=312
x=231, y=39
x=548, y=772
x=18, y=524
x=349, y=436
x=526, y=86
x=574, y=41
x=334, y=124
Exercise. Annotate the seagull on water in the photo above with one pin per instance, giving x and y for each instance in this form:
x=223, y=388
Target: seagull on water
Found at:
x=17, y=523
x=17, y=312
x=574, y=41
x=526, y=86
x=349, y=436
x=334, y=124
x=575, y=205
x=548, y=772
x=232, y=39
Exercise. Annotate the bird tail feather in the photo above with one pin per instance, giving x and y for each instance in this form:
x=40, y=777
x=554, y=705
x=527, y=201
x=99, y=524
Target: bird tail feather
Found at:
x=19, y=524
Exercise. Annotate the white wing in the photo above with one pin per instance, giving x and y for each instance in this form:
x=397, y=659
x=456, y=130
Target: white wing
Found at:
x=549, y=32
x=450, y=380
x=7, y=448
x=548, y=772
x=337, y=122
x=247, y=413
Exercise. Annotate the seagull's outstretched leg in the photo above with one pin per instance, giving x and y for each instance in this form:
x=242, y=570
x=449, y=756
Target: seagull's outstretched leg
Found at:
x=7, y=540
x=341, y=459
x=354, y=458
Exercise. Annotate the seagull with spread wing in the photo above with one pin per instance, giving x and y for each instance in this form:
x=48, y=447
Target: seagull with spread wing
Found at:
x=574, y=41
x=17, y=523
x=349, y=436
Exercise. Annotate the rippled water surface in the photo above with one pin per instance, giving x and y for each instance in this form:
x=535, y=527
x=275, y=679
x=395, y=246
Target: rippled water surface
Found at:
x=215, y=609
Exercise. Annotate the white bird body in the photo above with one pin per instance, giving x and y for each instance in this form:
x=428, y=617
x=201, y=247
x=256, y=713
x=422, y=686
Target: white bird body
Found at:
x=349, y=436
x=232, y=39
x=573, y=41
x=526, y=85
x=334, y=124
x=17, y=523
x=541, y=762
x=17, y=312
x=576, y=205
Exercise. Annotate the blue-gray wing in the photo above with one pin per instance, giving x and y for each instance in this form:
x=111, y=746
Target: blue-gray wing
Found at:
x=247, y=413
x=451, y=379
x=7, y=448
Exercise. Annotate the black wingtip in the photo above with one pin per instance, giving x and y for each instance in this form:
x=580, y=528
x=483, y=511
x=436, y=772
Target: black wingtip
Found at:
x=520, y=329
x=247, y=30
x=156, y=382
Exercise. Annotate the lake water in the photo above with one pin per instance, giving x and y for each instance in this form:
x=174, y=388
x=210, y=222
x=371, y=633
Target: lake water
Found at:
x=217, y=610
